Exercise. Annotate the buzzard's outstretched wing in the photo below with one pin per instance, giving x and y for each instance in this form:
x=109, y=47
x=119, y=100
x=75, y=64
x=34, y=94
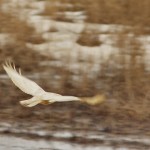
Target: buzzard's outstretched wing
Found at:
x=21, y=82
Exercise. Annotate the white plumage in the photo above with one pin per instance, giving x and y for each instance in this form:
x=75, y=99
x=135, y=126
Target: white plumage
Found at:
x=31, y=88
x=39, y=95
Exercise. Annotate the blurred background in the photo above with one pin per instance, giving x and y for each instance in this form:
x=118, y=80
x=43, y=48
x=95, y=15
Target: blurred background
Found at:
x=82, y=48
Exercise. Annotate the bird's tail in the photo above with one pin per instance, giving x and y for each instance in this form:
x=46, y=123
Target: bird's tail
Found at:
x=30, y=102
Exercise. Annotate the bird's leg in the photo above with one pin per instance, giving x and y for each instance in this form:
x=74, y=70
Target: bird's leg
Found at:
x=46, y=102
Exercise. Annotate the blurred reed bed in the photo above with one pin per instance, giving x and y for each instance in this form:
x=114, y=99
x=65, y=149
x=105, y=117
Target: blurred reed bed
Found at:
x=127, y=88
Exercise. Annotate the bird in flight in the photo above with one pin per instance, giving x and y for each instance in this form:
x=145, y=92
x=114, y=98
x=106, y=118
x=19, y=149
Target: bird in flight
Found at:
x=39, y=96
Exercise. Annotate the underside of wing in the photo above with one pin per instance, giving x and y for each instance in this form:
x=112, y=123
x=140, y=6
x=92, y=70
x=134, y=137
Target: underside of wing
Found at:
x=21, y=82
x=35, y=101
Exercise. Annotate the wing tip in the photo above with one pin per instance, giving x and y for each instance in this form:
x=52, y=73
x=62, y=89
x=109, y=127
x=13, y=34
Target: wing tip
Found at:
x=10, y=65
x=7, y=64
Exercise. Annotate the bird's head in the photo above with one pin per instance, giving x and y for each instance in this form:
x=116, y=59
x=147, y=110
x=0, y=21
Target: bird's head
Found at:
x=95, y=100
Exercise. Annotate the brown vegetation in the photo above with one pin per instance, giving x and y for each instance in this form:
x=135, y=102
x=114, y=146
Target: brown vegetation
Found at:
x=16, y=50
x=129, y=12
x=129, y=84
x=89, y=38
